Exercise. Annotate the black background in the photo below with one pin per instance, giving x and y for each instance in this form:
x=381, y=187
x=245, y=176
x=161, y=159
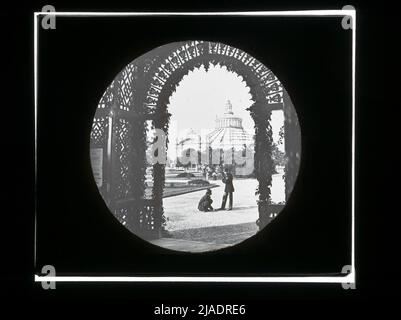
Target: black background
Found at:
x=375, y=232
x=78, y=60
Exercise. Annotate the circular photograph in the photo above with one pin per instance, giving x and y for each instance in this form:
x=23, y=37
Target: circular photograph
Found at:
x=195, y=146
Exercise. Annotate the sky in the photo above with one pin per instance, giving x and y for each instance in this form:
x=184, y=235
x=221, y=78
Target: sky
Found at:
x=201, y=96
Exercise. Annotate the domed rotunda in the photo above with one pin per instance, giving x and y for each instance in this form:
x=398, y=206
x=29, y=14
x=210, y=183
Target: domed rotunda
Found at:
x=228, y=132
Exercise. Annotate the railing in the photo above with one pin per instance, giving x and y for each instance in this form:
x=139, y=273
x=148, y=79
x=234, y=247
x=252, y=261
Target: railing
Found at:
x=138, y=215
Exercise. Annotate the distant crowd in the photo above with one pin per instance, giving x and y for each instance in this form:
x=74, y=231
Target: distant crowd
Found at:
x=212, y=172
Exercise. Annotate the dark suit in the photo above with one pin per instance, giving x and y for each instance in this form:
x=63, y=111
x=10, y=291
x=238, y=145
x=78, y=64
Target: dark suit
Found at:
x=228, y=191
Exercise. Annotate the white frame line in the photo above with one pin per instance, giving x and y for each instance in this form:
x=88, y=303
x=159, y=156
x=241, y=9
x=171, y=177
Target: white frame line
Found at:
x=343, y=279
x=349, y=278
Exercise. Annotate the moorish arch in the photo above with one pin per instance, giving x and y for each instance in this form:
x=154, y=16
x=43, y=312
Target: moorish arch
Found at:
x=140, y=93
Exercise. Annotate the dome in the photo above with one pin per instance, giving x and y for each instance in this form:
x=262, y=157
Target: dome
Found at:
x=189, y=139
x=228, y=132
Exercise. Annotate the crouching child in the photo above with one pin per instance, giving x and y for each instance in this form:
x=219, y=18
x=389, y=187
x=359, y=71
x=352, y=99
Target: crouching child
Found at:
x=205, y=203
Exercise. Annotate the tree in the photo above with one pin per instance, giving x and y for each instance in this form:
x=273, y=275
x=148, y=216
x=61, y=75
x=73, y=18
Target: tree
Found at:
x=278, y=155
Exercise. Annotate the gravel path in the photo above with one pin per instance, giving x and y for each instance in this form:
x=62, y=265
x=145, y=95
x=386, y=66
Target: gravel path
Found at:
x=195, y=231
x=227, y=234
x=182, y=211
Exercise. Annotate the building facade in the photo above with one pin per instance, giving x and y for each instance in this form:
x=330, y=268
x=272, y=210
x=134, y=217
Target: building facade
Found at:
x=219, y=147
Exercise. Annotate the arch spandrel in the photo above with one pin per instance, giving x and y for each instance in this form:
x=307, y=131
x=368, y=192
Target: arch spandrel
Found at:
x=181, y=57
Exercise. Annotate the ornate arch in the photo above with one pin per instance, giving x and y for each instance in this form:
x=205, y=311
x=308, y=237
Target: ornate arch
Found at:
x=168, y=70
x=141, y=92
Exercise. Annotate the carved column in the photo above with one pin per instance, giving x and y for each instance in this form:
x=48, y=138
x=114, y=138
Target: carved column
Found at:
x=261, y=114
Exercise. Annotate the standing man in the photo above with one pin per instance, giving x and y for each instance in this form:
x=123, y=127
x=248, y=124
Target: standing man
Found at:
x=228, y=190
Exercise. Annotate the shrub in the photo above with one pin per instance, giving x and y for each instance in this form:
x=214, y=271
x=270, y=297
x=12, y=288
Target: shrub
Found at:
x=185, y=175
x=199, y=182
